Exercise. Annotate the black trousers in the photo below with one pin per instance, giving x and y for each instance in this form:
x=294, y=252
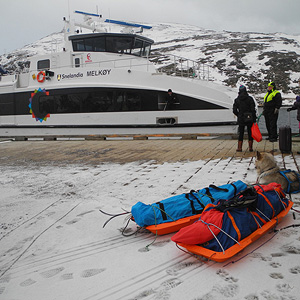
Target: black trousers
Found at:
x=271, y=123
x=241, y=132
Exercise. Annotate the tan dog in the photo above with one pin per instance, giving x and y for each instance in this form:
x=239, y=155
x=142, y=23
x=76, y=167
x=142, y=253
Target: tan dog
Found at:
x=268, y=171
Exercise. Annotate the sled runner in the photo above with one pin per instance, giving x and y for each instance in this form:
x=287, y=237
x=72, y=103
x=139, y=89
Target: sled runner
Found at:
x=226, y=228
x=166, y=228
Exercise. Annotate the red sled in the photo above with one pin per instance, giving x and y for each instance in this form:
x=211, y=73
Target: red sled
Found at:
x=235, y=249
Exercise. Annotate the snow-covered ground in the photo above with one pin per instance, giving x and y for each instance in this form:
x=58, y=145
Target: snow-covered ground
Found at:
x=53, y=246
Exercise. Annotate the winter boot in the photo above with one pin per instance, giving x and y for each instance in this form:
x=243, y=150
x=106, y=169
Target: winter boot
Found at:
x=250, y=146
x=240, y=144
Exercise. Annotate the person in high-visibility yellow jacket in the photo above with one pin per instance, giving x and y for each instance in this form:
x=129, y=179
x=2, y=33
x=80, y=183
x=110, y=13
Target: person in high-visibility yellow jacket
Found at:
x=272, y=104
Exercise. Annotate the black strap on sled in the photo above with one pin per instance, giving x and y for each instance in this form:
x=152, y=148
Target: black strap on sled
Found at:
x=194, y=210
x=208, y=193
x=246, y=198
x=235, y=189
x=162, y=210
x=218, y=188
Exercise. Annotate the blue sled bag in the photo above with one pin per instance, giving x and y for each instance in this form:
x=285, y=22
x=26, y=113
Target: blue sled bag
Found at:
x=184, y=205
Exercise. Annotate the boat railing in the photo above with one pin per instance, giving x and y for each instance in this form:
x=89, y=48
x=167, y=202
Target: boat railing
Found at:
x=122, y=62
x=171, y=65
x=179, y=66
x=167, y=64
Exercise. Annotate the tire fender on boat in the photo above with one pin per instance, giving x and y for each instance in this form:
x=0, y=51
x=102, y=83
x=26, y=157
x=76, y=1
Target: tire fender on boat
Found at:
x=41, y=76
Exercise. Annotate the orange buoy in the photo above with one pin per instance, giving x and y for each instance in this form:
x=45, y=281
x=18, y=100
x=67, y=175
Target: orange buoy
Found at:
x=41, y=76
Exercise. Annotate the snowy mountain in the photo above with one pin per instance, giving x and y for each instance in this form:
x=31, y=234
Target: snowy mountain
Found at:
x=233, y=58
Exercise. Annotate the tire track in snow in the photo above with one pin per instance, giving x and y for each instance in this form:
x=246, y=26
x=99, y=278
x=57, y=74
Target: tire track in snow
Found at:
x=137, y=286
x=78, y=253
x=153, y=276
x=30, y=219
x=190, y=274
x=35, y=239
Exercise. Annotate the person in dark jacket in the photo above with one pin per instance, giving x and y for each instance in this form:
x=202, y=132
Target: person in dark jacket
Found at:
x=295, y=106
x=171, y=100
x=272, y=104
x=244, y=109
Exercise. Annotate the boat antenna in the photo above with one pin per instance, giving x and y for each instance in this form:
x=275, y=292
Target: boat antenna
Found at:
x=109, y=19
x=69, y=10
x=88, y=21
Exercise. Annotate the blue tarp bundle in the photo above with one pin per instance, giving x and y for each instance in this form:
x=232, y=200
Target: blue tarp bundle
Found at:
x=184, y=205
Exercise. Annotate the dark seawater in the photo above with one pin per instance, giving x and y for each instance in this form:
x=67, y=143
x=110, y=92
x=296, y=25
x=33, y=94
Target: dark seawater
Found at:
x=285, y=118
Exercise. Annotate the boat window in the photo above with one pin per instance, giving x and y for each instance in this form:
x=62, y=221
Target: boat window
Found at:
x=99, y=44
x=120, y=102
x=98, y=101
x=6, y=104
x=89, y=100
x=77, y=62
x=78, y=45
x=133, y=101
x=162, y=104
x=119, y=44
x=128, y=44
x=43, y=64
x=146, y=50
x=89, y=44
x=45, y=105
x=137, y=47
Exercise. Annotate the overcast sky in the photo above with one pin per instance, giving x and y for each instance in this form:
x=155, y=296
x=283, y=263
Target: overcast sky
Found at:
x=25, y=21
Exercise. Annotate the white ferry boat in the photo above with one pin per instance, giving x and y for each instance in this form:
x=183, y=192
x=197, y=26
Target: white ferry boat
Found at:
x=103, y=83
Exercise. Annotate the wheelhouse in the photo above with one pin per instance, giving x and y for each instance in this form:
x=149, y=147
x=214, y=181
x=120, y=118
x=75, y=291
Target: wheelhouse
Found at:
x=112, y=42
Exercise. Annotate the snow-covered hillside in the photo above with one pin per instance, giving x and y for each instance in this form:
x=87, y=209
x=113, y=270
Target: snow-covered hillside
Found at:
x=234, y=57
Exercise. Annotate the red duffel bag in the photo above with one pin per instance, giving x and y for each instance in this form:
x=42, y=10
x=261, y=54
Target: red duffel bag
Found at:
x=255, y=132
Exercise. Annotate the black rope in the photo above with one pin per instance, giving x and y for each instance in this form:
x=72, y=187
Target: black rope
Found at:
x=298, y=211
x=135, y=232
x=112, y=216
x=117, y=215
x=293, y=225
x=194, y=255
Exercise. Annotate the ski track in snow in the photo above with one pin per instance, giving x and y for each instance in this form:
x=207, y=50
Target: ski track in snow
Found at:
x=51, y=234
